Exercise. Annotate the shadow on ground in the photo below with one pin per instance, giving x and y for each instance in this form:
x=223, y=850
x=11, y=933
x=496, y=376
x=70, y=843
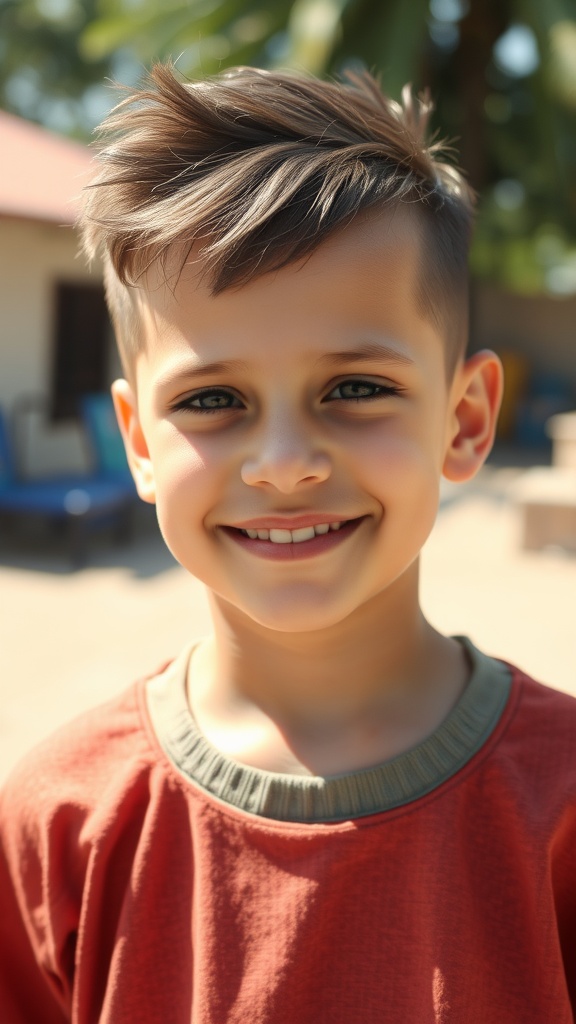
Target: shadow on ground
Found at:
x=38, y=547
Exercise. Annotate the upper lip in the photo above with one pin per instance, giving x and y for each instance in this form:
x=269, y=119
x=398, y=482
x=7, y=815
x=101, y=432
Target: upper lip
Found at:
x=290, y=522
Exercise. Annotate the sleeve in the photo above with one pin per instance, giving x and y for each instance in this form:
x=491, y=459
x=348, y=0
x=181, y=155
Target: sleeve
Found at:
x=37, y=934
x=562, y=875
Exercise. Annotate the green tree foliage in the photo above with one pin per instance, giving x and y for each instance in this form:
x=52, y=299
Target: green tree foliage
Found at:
x=44, y=77
x=503, y=73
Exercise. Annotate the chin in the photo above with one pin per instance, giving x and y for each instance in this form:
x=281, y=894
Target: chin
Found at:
x=298, y=616
x=296, y=623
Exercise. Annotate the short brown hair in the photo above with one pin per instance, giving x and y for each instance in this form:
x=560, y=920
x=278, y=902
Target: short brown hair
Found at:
x=261, y=167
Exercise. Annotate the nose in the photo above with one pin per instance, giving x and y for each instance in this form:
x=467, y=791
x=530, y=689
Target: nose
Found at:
x=286, y=456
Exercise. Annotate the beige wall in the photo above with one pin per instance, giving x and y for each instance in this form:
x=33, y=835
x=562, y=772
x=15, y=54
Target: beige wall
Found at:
x=33, y=257
x=542, y=329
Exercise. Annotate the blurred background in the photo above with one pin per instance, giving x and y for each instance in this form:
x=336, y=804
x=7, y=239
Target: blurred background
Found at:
x=503, y=76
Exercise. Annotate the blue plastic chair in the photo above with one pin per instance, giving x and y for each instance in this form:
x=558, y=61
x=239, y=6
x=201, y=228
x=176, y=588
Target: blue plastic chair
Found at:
x=101, y=425
x=80, y=502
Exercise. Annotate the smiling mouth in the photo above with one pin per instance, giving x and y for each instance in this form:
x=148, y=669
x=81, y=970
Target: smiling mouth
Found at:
x=300, y=536
x=276, y=536
x=278, y=543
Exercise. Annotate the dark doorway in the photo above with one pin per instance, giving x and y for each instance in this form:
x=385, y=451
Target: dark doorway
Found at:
x=81, y=347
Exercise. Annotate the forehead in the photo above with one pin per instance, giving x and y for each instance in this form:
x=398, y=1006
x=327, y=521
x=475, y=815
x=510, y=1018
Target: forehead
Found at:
x=362, y=282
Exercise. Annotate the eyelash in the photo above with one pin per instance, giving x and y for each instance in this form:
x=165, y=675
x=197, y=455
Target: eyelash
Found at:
x=186, y=404
x=378, y=391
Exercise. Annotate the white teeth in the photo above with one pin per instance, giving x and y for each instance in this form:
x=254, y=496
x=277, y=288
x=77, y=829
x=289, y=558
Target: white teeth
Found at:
x=281, y=536
x=292, y=536
x=305, y=533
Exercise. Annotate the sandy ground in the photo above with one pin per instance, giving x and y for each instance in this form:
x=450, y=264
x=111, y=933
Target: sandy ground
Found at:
x=70, y=639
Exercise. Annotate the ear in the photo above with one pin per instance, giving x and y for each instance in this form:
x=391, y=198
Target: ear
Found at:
x=137, y=453
x=476, y=395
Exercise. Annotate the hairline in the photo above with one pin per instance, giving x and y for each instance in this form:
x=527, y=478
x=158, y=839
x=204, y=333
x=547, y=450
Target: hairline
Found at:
x=448, y=322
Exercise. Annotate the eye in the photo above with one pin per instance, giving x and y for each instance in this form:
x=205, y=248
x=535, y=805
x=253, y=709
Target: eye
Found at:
x=360, y=391
x=208, y=400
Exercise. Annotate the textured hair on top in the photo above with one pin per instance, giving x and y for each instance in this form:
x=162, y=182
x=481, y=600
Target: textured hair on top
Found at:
x=260, y=167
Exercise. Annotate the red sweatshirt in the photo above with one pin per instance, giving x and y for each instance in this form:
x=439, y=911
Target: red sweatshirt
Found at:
x=146, y=879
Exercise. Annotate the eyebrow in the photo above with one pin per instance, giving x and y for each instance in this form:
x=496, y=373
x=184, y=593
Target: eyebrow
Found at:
x=203, y=370
x=369, y=352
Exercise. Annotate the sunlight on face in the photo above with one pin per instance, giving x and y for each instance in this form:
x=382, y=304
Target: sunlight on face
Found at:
x=311, y=397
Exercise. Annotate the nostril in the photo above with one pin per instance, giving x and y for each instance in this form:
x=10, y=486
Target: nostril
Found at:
x=285, y=472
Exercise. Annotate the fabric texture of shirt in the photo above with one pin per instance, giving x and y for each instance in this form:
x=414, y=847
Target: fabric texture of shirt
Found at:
x=146, y=878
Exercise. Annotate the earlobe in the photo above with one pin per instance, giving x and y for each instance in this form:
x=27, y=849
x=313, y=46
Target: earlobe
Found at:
x=476, y=397
x=126, y=407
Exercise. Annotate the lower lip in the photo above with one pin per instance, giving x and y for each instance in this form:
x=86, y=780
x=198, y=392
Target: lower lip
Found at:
x=290, y=552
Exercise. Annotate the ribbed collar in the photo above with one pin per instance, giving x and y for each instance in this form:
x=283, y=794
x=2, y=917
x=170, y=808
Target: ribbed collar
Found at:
x=313, y=799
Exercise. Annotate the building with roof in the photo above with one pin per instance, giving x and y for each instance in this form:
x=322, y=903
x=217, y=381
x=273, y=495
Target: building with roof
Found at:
x=56, y=337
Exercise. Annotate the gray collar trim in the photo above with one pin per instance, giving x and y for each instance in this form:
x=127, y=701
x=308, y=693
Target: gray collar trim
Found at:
x=337, y=798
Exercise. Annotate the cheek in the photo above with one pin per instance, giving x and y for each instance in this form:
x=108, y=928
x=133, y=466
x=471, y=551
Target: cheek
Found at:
x=185, y=482
x=403, y=474
x=400, y=459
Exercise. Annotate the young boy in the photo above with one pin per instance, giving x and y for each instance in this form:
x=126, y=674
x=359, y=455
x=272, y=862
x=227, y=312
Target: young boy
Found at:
x=324, y=811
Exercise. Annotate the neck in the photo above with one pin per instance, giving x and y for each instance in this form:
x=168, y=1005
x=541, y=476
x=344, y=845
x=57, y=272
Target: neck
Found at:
x=360, y=690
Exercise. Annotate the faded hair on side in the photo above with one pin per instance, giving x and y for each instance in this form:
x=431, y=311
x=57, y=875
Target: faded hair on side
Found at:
x=261, y=167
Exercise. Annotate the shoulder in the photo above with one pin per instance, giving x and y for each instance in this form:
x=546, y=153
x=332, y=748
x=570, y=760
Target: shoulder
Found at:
x=542, y=710
x=91, y=762
x=530, y=718
x=534, y=746
x=71, y=815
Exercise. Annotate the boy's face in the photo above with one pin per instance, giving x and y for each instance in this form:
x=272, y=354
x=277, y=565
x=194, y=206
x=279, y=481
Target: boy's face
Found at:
x=313, y=396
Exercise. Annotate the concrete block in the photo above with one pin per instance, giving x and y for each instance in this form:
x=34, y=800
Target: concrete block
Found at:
x=562, y=430
x=546, y=499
